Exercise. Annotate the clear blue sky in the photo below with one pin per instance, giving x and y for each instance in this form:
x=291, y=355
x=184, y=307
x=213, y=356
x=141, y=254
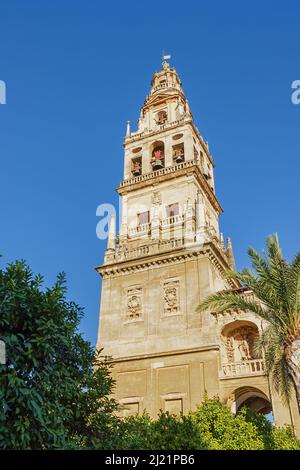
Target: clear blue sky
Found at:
x=76, y=71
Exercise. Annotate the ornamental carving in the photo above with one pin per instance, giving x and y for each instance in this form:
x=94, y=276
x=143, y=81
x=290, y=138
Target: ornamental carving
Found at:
x=171, y=297
x=156, y=198
x=239, y=344
x=134, y=303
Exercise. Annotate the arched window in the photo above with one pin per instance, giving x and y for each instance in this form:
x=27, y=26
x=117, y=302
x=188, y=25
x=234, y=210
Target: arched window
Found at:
x=178, y=153
x=136, y=166
x=238, y=337
x=253, y=398
x=161, y=117
x=158, y=155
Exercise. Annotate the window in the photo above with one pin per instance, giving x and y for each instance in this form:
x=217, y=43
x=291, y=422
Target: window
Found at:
x=143, y=218
x=161, y=117
x=173, y=209
x=136, y=166
x=158, y=155
x=178, y=153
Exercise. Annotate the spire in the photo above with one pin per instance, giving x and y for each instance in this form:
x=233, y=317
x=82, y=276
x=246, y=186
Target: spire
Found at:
x=111, y=240
x=230, y=254
x=128, y=129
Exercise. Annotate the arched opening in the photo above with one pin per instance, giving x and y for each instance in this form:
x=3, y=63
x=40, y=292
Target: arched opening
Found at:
x=161, y=117
x=239, y=338
x=136, y=166
x=254, y=399
x=178, y=153
x=158, y=155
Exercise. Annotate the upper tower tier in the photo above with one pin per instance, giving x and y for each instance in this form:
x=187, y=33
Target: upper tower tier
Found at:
x=166, y=102
x=166, y=134
x=168, y=193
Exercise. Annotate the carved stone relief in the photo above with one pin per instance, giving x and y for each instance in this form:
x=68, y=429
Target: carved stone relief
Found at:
x=156, y=198
x=134, y=303
x=239, y=344
x=171, y=297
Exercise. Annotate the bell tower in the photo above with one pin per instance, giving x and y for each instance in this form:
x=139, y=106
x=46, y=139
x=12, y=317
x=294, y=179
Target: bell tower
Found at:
x=169, y=254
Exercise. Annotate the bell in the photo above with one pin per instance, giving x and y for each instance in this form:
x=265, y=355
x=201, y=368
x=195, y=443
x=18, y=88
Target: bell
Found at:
x=179, y=159
x=136, y=169
x=157, y=164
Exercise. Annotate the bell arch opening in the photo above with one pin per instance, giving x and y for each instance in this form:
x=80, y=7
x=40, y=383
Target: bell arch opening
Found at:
x=158, y=155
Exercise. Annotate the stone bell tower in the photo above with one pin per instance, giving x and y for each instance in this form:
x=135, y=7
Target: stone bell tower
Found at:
x=169, y=255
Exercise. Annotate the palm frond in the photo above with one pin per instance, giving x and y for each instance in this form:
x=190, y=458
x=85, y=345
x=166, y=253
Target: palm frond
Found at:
x=275, y=285
x=221, y=301
x=295, y=275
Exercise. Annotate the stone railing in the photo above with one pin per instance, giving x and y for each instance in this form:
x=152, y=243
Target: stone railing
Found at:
x=153, y=174
x=175, y=219
x=138, y=252
x=139, y=229
x=123, y=255
x=152, y=247
x=158, y=87
x=166, y=245
x=249, y=296
x=243, y=368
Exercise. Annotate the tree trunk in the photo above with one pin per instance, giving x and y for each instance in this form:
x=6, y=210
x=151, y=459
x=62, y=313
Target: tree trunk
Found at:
x=293, y=360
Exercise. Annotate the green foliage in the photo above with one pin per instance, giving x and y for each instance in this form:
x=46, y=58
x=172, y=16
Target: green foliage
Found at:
x=212, y=426
x=51, y=394
x=168, y=432
x=276, y=287
x=223, y=430
x=273, y=438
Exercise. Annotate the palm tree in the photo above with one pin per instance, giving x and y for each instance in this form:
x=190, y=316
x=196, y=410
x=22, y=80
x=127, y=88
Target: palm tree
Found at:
x=275, y=284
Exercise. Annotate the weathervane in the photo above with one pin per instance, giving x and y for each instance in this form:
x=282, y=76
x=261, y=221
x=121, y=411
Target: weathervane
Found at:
x=165, y=57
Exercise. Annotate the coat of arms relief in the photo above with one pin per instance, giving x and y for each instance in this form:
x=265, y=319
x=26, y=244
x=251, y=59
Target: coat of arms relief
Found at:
x=134, y=303
x=171, y=297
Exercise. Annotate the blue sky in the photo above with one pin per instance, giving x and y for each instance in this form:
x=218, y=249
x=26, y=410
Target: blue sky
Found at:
x=76, y=71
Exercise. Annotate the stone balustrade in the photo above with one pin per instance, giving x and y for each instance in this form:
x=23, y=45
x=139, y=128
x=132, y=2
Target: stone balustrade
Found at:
x=159, y=87
x=138, y=252
x=123, y=253
x=243, y=368
x=139, y=229
x=153, y=174
x=175, y=219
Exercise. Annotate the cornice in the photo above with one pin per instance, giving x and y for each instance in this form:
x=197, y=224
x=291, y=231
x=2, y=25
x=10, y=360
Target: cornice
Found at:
x=135, y=137
x=213, y=347
x=174, y=256
x=165, y=93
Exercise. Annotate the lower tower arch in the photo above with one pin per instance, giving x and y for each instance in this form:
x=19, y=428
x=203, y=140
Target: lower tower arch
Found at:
x=252, y=398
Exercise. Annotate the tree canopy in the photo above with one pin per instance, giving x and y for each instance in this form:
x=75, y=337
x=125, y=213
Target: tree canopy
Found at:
x=51, y=394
